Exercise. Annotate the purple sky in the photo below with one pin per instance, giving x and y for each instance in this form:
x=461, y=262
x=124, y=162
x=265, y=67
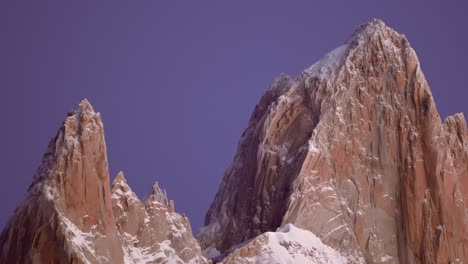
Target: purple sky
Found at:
x=176, y=83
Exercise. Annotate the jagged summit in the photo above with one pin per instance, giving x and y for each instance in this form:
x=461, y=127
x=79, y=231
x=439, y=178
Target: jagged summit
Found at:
x=354, y=151
x=348, y=163
x=159, y=194
x=85, y=106
x=71, y=214
x=68, y=200
x=82, y=121
x=374, y=34
x=374, y=27
x=119, y=178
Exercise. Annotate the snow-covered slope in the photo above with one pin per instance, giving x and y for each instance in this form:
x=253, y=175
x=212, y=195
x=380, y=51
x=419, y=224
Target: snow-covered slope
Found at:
x=288, y=245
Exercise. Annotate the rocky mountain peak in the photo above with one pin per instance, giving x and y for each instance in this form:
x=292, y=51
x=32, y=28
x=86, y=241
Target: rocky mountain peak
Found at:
x=354, y=151
x=371, y=30
x=119, y=178
x=347, y=163
x=72, y=215
x=374, y=36
x=85, y=106
x=158, y=195
x=69, y=201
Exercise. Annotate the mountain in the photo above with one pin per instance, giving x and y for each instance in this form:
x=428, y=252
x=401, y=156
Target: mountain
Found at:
x=71, y=214
x=352, y=152
x=349, y=162
x=152, y=232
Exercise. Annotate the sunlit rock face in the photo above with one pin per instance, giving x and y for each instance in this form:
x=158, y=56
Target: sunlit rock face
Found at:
x=347, y=163
x=71, y=215
x=66, y=216
x=152, y=232
x=354, y=151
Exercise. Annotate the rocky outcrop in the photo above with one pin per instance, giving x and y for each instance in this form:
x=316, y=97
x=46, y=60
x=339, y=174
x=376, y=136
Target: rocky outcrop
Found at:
x=70, y=215
x=347, y=163
x=67, y=216
x=354, y=151
x=152, y=232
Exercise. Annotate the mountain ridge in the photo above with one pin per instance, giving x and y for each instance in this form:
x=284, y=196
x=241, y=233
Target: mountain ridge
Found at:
x=71, y=214
x=349, y=162
x=354, y=95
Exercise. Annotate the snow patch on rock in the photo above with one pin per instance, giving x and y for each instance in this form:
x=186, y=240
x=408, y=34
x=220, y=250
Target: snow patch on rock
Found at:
x=211, y=253
x=291, y=244
x=329, y=64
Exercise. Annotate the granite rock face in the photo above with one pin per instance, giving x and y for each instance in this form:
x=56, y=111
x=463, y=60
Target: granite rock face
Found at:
x=67, y=216
x=347, y=163
x=71, y=215
x=354, y=151
x=152, y=232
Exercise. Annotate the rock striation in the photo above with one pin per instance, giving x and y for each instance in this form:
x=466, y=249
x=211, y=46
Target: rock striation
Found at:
x=354, y=151
x=152, y=232
x=349, y=162
x=71, y=215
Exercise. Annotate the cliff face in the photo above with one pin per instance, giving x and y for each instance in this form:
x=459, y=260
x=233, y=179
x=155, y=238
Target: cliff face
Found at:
x=354, y=151
x=348, y=163
x=70, y=214
x=152, y=232
x=67, y=213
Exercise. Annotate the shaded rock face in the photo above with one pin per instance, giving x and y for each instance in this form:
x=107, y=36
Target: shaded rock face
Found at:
x=354, y=151
x=70, y=215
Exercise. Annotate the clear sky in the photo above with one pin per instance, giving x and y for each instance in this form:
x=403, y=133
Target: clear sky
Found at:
x=176, y=81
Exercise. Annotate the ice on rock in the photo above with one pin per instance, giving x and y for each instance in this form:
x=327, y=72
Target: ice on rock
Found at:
x=289, y=244
x=160, y=194
x=329, y=64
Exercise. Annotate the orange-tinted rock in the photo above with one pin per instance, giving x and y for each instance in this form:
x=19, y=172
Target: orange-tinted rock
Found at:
x=354, y=151
x=69, y=214
x=152, y=233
